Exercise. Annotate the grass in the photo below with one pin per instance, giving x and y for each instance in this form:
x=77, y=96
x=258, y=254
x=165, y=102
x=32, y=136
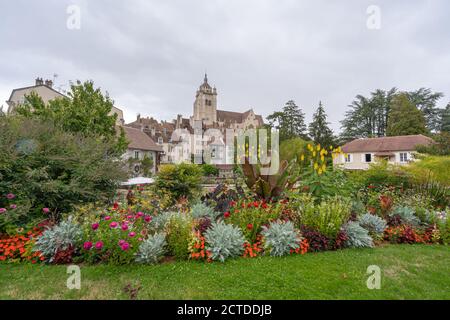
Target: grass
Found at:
x=408, y=272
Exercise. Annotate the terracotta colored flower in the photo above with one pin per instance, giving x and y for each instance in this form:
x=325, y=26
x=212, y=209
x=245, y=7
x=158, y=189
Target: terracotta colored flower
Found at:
x=95, y=226
x=113, y=225
x=87, y=245
x=226, y=214
x=99, y=245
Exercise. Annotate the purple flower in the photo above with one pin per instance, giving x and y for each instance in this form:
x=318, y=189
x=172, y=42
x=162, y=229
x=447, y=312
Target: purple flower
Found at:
x=95, y=226
x=113, y=225
x=10, y=196
x=99, y=245
x=45, y=210
x=87, y=245
x=125, y=246
x=13, y=206
x=132, y=234
x=124, y=227
x=2, y=210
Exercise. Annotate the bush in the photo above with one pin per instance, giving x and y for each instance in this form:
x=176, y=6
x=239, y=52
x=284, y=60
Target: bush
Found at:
x=14, y=213
x=224, y=241
x=64, y=236
x=372, y=223
x=55, y=169
x=179, y=235
x=316, y=240
x=328, y=216
x=201, y=210
x=152, y=249
x=280, y=238
x=406, y=215
x=251, y=216
x=357, y=236
x=430, y=168
x=179, y=180
x=209, y=170
x=330, y=183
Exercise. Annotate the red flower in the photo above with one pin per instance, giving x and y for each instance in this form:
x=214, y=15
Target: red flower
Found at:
x=226, y=214
x=250, y=226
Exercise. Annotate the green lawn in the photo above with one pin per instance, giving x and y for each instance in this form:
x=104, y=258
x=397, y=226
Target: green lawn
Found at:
x=408, y=272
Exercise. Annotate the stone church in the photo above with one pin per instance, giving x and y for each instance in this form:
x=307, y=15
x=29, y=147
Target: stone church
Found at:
x=206, y=115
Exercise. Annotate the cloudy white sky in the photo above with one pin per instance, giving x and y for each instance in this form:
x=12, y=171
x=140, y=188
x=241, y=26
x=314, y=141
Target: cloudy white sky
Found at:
x=151, y=55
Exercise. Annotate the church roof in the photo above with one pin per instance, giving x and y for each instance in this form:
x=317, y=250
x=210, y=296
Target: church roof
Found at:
x=238, y=117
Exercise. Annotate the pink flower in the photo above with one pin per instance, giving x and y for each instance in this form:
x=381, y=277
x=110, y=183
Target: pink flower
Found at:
x=99, y=245
x=113, y=225
x=148, y=218
x=129, y=217
x=87, y=245
x=2, y=210
x=107, y=218
x=95, y=226
x=140, y=239
x=125, y=246
x=121, y=242
x=139, y=214
x=13, y=206
x=124, y=227
x=45, y=210
x=10, y=196
x=132, y=234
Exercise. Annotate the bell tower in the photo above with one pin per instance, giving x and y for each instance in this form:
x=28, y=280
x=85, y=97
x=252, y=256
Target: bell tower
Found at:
x=205, y=104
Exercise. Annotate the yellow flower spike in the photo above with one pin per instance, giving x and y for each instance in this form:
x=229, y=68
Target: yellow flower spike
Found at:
x=319, y=171
x=324, y=167
x=322, y=158
x=316, y=165
x=302, y=157
x=314, y=153
x=318, y=147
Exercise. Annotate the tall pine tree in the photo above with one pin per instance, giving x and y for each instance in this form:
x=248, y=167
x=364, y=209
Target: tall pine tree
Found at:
x=445, y=119
x=319, y=131
x=405, y=118
x=290, y=122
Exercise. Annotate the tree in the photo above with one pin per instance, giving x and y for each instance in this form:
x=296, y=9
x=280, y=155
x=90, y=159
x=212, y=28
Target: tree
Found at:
x=368, y=116
x=290, y=122
x=445, y=119
x=405, y=118
x=425, y=100
x=86, y=110
x=319, y=130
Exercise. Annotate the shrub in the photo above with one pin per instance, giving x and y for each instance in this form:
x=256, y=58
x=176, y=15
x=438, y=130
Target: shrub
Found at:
x=330, y=183
x=251, y=216
x=316, y=240
x=64, y=236
x=358, y=237
x=328, y=216
x=406, y=215
x=179, y=235
x=55, y=169
x=202, y=225
x=14, y=213
x=402, y=234
x=280, y=238
x=179, y=180
x=372, y=223
x=152, y=249
x=430, y=168
x=224, y=241
x=222, y=197
x=201, y=210
x=209, y=170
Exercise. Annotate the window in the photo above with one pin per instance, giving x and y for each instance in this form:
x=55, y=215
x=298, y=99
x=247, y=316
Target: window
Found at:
x=403, y=157
x=368, y=157
x=348, y=158
x=160, y=140
x=136, y=155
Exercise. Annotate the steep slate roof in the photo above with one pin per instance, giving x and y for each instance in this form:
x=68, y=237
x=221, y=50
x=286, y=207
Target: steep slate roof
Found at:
x=139, y=140
x=396, y=143
x=239, y=117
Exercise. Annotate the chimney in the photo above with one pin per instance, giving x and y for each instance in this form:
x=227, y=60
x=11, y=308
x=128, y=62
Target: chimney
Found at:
x=49, y=83
x=138, y=118
x=39, y=81
x=178, y=123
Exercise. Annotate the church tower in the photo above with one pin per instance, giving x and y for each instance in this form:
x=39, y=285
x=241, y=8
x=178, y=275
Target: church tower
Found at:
x=205, y=104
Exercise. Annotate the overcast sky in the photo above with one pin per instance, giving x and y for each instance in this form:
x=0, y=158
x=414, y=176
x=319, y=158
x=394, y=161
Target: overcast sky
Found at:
x=151, y=55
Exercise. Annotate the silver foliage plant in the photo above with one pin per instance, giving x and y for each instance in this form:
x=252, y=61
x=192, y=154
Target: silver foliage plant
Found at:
x=407, y=215
x=358, y=237
x=224, y=241
x=372, y=223
x=152, y=249
x=59, y=237
x=201, y=210
x=280, y=237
